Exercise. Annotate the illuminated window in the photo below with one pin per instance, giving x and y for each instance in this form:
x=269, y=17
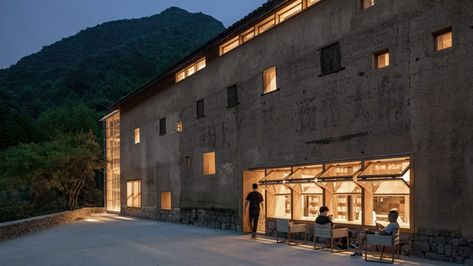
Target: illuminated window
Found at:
x=229, y=45
x=201, y=64
x=266, y=24
x=366, y=4
x=330, y=59
x=162, y=126
x=381, y=59
x=248, y=35
x=289, y=11
x=278, y=16
x=133, y=194
x=191, y=69
x=112, y=156
x=232, y=96
x=269, y=80
x=137, y=135
x=209, y=163
x=166, y=201
x=311, y=2
x=278, y=196
x=443, y=39
x=179, y=126
x=200, y=112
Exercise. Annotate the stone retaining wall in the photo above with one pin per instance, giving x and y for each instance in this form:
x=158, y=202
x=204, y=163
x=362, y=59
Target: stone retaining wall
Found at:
x=14, y=229
x=225, y=219
x=443, y=246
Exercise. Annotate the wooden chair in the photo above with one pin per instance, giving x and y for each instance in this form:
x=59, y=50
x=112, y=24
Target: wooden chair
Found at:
x=326, y=231
x=385, y=241
x=285, y=226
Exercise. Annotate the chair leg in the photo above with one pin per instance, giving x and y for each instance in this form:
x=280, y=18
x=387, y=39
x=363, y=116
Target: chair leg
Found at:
x=331, y=245
x=382, y=253
x=366, y=250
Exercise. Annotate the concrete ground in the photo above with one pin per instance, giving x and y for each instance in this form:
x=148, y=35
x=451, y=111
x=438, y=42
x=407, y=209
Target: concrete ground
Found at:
x=107, y=239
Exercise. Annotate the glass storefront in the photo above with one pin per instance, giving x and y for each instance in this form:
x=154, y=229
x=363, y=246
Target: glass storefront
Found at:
x=359, y=192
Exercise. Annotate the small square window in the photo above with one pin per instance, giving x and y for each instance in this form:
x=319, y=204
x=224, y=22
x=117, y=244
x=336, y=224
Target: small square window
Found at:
x=137, y=135
x=269, y=80
x=209, y=163
x=162, y=126
x=232, y=96
x=330, y=59
x=200, y=112
x=179, y=126
x=201, y=64
x=381, y=59
x=366, y=4
x=166, y=201
x=443, y=39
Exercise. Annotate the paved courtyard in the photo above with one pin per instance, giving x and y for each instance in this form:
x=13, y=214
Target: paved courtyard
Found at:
x=107, y=239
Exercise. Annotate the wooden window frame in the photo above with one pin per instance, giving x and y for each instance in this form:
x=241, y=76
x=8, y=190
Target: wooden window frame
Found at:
x=439, y=33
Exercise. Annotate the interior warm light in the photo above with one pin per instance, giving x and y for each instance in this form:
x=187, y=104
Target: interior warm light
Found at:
x=191, y=69
x=112, y=167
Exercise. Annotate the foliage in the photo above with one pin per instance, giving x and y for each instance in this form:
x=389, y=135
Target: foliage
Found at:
x=48, y=176
x=49, y=98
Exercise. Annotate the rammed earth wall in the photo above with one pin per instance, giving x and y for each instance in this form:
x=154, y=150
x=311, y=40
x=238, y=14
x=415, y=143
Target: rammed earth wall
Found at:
x=18, y=228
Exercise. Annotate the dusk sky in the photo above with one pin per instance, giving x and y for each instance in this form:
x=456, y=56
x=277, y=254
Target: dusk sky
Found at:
x=28, y=25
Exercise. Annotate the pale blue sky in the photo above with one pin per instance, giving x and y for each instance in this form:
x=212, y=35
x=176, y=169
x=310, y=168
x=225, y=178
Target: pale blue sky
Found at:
x=28, y=25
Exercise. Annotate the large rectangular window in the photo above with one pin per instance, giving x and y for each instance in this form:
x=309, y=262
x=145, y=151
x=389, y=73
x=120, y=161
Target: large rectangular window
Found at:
x=133, y=194
x=112, y=167
x=366, y=3
x=209, y=163
x=358, y=193
x=330, y=59
x=269, y=80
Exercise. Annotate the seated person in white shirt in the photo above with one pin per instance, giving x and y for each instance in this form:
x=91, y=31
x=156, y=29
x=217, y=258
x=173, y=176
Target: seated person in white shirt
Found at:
x=390, y=229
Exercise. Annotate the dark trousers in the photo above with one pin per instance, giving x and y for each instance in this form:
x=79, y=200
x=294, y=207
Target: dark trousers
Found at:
x=254, y=216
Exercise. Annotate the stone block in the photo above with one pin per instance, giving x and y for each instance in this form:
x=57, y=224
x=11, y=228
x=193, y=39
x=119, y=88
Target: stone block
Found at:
x=435, y=256
x=448, y=250
x=468, y=262
x=422, y=246
x=417, y=253
x=459, y=259
x=440, y=248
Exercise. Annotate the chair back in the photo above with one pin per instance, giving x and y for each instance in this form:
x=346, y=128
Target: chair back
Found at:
x=282, y=225
x=323, y=230
x=396, y=236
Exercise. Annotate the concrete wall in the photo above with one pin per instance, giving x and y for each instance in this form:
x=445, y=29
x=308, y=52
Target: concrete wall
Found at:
x=420, y=104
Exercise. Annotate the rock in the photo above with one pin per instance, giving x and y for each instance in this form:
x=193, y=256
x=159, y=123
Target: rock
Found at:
x=468, y=262
x=405, y=249
x=422, y=246
x=435, y=256
x=440, y=248
x=463, y=242
x=417, y=253
x=455, y=242
x=433, y=248
x=448, y=250
x=459, y=259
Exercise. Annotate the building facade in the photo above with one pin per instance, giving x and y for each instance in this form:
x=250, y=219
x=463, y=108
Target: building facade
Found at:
x=363, y=106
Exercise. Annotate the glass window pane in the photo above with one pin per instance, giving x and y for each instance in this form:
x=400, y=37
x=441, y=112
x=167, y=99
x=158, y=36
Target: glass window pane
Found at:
x=266, y=25
x=209, y=163
x=201, y=64
x=290, y=10
x=383, y=204
x=347, y=209
x=310, y=206
x=269, y=78
x=444, y=41
x=230, y=45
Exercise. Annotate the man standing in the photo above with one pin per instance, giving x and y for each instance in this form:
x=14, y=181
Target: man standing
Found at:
x=254, y=199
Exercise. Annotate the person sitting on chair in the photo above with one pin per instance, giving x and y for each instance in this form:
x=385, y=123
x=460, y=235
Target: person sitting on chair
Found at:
x=324, y=218
x=390, y=229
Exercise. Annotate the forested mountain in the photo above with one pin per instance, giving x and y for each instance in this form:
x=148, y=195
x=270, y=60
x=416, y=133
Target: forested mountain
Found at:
x=51, y=101
x=97, y=66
